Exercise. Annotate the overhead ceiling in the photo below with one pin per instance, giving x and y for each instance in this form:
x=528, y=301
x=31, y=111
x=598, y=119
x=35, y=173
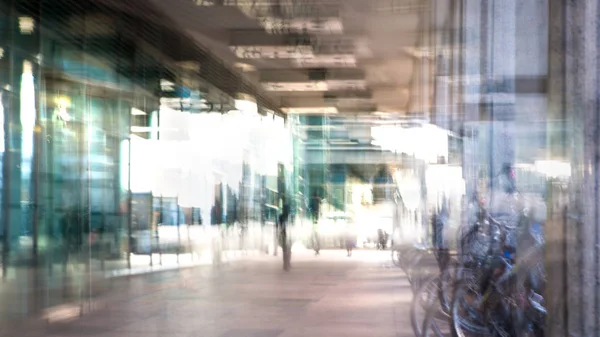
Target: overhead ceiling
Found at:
x=349, y=57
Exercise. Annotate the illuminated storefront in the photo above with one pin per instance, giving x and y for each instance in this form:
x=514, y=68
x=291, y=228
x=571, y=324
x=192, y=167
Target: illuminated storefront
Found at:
x=102, y=169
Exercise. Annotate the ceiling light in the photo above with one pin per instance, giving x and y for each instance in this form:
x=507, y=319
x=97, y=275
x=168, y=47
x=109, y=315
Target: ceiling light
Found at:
x=420, y=52
x=166, y=85
x=26, y=25
x=245, y=67
x=311, y=110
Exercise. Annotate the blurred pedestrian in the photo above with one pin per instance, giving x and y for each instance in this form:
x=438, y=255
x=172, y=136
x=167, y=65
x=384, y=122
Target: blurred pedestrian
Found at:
x=315, y=204
x=350, y=240
x=285, y=244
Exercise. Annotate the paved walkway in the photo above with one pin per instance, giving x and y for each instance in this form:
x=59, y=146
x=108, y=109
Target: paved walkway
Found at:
x=330, y=295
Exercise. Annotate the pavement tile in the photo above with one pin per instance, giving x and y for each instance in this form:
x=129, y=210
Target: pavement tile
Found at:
x=329, y=295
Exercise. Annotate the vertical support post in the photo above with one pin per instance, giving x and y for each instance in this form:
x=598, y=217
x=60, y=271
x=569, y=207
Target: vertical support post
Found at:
x=178, y=229
x=161, y=218
x=573, y=252
x=130, y=196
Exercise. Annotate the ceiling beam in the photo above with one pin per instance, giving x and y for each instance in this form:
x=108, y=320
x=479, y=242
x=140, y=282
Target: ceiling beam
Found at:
x=334, y=94
x=360, y=103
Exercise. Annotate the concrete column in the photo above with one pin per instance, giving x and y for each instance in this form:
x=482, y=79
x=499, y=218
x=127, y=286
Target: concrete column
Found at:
x=573, y=251
x=487, y=78
x=498, y=89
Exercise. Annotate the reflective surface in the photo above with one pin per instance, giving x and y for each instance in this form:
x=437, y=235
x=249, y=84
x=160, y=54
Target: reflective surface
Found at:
x=455, y=139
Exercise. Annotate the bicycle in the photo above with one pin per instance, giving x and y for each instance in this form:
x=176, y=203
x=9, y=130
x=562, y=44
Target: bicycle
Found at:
x=479, y=290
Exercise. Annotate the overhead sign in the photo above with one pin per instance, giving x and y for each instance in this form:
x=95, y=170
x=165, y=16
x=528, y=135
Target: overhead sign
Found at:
x=327, y=61
x=272, y=52
x=289, y=9
x=296, y=86
x=333, y=85
x=275, y=25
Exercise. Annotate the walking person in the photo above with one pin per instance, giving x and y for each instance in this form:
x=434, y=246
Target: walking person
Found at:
x=350, y=240
x=285, y=241
x=315, y=203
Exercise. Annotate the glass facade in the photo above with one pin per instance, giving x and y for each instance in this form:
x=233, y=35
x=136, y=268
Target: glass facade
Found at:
x=112, y=160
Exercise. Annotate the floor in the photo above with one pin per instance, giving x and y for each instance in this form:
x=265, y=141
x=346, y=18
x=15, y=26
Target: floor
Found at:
x=328, y=295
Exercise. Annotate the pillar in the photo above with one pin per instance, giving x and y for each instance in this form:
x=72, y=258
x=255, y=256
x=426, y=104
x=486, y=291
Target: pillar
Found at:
x=573, y=248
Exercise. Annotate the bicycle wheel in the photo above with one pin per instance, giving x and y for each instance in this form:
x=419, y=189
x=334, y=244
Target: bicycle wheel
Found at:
x=420, y=270
x=466, y=320
x=437, y=318
x=405, y=257
x=412, y=264
x=423, y=299
x=436, y=323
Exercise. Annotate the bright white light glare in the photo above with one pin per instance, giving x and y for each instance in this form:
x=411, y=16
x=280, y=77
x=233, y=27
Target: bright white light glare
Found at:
x=553, y=168
x=154, y=124
x=137, y=112
x=444, y=180
x=174, y=124
x=141, y=129
x=26, y=25
x=327, y=110
x=62, y=104
x=166, y=85
x=427, y=142
x=27, y=108
x=1, y=124
x=1, y=53
x=246, y=106
x=410, y=190
x=141, y=175
x=183, y=166
x=362, y=194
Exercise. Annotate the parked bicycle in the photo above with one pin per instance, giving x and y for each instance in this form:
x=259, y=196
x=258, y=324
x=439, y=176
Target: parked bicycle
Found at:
x=483, y=288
